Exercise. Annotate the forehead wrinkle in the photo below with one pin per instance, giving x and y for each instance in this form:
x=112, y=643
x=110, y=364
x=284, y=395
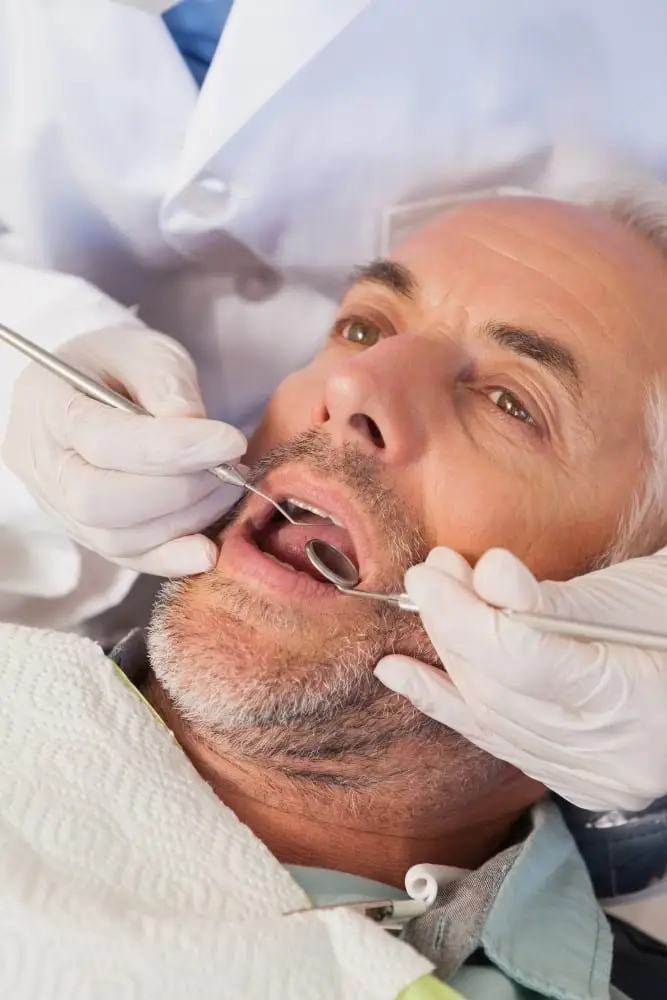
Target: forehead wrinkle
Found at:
x=556, y=283
x=584, y=423
x=605, y=288
x=567, y=257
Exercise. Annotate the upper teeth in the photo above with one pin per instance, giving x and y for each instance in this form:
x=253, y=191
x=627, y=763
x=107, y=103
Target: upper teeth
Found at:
x=314, y=510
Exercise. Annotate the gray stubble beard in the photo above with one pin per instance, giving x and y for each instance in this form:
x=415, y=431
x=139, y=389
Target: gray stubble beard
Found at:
x=330, y=717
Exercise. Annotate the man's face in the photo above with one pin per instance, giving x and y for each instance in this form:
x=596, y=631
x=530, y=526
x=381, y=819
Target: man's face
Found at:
x=484, y=388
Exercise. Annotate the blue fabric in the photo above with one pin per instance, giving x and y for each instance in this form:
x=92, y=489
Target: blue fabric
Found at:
x=545, y=929
x=196, y=27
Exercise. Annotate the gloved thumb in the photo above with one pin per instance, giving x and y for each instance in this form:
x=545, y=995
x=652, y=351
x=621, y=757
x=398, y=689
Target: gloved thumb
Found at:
x=503, y=581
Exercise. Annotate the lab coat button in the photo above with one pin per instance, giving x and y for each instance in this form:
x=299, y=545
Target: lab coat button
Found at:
x=209, y=195
x=216, y=185
x=258, y=286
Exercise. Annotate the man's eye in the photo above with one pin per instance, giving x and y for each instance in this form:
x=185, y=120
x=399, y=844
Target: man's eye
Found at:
x=510, y=404
x=359, y=331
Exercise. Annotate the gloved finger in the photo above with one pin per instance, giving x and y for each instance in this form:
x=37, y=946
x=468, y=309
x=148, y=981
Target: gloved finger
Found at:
x=504, y=581
x=154, y=370
x=429, y=689
x=584, y=784
x=430, y=692
x=544, y=756
x=169, y=388
x=494, y=646
x=152, y=446
x=552, y=732
x=181, y=557
x=96, y=498
x=451, y=562
x=457, y=618
x=609, y=596
x=501, y=578
x=137, y=539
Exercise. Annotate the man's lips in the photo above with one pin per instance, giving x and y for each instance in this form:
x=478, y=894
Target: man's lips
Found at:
x=327, y=495
x=257, y=530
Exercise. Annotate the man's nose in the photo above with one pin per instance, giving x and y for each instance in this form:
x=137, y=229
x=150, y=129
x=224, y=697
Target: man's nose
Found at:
x=382, y=399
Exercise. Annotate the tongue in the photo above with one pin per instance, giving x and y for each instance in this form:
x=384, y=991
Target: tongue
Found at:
x=287, y=542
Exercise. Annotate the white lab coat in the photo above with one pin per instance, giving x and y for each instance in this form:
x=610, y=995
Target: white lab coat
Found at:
x=231, y=216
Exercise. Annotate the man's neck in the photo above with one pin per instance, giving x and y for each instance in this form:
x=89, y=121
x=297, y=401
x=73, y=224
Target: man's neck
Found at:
x=317, y=823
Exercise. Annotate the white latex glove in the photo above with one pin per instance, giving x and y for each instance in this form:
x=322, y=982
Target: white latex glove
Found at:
x=589, y=720
x=131, y=488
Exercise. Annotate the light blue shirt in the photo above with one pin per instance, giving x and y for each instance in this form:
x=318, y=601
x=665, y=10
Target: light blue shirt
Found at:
x=196, y=27
x=545, y=934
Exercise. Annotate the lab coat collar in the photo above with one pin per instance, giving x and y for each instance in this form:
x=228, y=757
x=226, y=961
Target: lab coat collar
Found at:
x=545, y=929
x=264, y=44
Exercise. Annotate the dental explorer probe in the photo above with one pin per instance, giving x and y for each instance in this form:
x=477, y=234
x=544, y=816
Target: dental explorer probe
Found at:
x=335, y=567
x=226, y=472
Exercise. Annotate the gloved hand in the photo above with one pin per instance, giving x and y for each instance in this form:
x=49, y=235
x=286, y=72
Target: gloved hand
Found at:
x=131, y=488
x=587, y=719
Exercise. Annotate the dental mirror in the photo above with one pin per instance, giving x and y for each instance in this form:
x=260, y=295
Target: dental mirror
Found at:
x=340, y=571
x=335, y=567
x=332, y=564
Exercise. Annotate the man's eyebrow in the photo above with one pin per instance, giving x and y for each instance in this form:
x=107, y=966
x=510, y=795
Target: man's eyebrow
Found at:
x=396, y=277
x=540, y=348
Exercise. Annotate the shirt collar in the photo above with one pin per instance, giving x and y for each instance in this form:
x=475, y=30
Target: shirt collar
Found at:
x=545, y=929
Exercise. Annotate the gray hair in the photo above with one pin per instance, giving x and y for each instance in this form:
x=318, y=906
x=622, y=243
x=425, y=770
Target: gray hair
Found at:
x=640, y=204
x=643, y=526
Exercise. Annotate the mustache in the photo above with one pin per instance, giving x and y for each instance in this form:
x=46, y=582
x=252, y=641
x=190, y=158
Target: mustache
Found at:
x=398, y=525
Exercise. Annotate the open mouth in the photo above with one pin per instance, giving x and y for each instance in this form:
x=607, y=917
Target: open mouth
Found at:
x=266, y=553
x=285, y=543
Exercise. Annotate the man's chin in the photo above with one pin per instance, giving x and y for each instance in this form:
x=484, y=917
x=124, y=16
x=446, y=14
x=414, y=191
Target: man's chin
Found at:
x=246, y=660
x=293, y=689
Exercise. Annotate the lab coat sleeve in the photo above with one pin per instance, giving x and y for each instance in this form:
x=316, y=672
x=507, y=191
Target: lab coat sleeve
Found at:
x=45, y=578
